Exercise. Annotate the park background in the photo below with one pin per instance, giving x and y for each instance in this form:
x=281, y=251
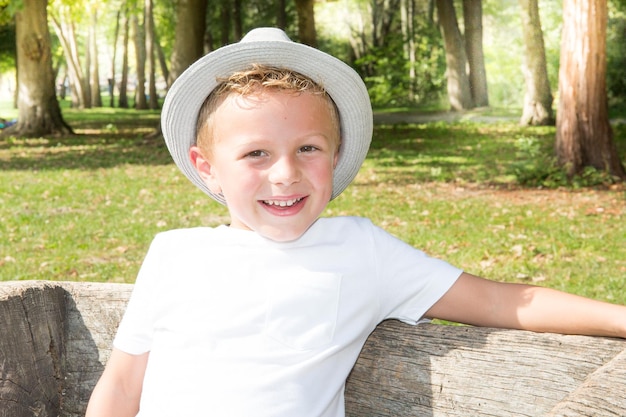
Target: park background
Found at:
x=476, y=183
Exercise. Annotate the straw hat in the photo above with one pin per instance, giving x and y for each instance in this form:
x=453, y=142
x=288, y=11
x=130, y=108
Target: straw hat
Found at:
x=272, y=47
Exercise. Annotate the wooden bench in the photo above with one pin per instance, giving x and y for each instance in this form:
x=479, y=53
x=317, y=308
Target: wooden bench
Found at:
x=56, y=338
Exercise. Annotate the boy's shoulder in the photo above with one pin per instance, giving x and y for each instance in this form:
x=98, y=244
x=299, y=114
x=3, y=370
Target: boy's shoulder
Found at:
x=189, y=231
x=340, y=228
x=347, y=221
x=186, y=236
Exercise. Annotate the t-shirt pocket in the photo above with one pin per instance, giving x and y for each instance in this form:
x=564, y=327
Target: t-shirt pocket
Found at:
x=302, y=311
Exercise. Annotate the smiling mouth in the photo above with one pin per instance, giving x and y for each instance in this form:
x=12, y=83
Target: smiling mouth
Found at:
x=282, y=203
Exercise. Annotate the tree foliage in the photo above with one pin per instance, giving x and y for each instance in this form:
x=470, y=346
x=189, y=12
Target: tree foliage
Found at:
x=7, y=47
x=7, y=36
x=616, y=53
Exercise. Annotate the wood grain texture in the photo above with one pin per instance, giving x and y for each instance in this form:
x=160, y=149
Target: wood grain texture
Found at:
x=57, y=336
x=432, y=370
x=55, y=340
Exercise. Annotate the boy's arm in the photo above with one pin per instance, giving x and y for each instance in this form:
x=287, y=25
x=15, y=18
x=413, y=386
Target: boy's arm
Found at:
x=118, y=391
x=477, y=301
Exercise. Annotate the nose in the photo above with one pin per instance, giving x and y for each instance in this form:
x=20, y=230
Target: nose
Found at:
x=284, y=171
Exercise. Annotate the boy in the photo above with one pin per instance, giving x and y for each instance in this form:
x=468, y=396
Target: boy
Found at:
x=266, y=316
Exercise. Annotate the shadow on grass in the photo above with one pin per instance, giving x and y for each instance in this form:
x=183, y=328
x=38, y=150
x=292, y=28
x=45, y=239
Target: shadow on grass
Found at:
x=400, y=152
x=83, y=152
x=441, y=151
x=103, y=140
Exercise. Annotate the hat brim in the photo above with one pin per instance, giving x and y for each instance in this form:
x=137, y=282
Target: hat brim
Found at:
x=190, y=90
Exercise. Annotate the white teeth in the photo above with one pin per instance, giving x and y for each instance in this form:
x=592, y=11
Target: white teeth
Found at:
x=282, y=203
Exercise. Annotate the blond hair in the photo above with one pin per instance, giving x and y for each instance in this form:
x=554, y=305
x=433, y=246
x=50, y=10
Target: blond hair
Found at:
x=251, y=81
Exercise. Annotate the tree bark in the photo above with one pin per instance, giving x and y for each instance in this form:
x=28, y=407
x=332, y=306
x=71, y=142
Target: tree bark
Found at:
x=383, y=14
x=473, y=18
x=123, y=99
x=87, y=75
x=39, y=112
x=237, y=20
x=538, y=96
x=189, y=36
x=225, y=23
x=111, y=79
x=140, y=61
x=162, y=60
x=407, y=17
x=281, y=14
x=459, y=93
x=584, y=137
x=306, y=22
x=67, y=37
x=148, y=23
x=94, y=68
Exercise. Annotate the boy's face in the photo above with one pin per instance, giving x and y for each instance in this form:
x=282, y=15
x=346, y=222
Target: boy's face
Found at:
x=272, y=158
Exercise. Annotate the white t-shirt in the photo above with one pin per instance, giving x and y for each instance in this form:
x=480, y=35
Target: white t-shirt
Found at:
x=239, y=325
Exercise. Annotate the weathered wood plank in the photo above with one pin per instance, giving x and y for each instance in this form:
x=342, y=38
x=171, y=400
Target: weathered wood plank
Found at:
x=93, y=311
x=31, y=350
x=598, y=395
x=56, y=337
x=432, y=370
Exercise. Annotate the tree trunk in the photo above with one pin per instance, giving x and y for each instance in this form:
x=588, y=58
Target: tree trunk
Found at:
x=189, y=36
x=383, y=16
x=111, y=79
x=67, y=37
x=431, y=11
x=94, y=68
x=538, y=96
x=473, y=18
x=281, y=14
x=306, y=22
x=584, y=136
x=39, y=112
x=459, y=93
x=225, y=21
x=148, y=23
x=162, y=61
x=123, y=99
x=237, y=20
x=140, y=60
x=407, y=16
x=87, y=75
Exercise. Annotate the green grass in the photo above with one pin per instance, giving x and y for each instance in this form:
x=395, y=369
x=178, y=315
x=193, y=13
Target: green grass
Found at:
x=86, y=207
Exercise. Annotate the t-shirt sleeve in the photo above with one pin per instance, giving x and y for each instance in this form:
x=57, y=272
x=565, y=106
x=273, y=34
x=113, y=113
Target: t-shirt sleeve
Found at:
x=135, y=332
x=411, y=281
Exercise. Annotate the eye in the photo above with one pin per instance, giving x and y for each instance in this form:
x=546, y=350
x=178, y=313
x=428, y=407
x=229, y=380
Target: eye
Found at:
x=308, y=148
x=256, y=154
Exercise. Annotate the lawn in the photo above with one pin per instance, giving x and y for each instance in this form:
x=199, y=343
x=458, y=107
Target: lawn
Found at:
x=481, y=195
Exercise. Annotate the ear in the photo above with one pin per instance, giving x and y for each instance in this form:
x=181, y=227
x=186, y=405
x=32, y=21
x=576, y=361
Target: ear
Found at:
x=336, y=158
x=205, y=169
